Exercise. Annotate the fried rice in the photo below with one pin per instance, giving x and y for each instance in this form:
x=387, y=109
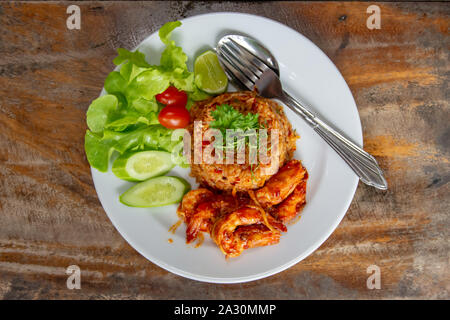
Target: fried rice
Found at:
x=242, y=177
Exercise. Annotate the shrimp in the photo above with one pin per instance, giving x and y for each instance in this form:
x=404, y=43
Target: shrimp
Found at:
x=196, y=210
x=288, y=209
x=232, y=243
x=207, y=212
x=200, y=208
x=256, y=235
x=190, y=202
x=200, y=221
x=281, y=185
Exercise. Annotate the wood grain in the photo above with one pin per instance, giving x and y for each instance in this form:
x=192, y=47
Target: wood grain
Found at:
x=50, y=216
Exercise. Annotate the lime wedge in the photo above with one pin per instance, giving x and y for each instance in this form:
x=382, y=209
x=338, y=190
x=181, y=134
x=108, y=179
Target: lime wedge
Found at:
x=209, y=75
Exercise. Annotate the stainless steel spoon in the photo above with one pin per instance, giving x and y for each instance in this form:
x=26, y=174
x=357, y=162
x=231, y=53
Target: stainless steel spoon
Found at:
x=250, y=65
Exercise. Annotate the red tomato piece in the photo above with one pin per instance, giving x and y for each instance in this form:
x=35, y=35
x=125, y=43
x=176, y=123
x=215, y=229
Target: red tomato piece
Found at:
x=172, y=97
x=174, y=117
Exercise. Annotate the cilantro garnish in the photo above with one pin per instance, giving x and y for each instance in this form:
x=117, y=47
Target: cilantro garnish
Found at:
x=227, y=117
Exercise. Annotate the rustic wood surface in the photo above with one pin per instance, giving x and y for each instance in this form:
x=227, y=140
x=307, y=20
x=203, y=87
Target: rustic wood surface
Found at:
x=50, y=216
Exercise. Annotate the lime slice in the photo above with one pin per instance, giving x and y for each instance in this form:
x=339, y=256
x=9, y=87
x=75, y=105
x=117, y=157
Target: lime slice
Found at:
x=209, y=75
x=142, y=165
x=156, y=192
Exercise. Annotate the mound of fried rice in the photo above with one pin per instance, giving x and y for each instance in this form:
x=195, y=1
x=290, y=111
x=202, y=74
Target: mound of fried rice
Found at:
x=242, y=177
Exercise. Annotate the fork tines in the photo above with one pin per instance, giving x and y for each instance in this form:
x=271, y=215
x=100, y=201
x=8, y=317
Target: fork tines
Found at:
x=240, y=64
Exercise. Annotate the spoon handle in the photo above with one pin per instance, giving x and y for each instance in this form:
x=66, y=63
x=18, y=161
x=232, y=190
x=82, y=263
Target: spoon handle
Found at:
x=362, y=163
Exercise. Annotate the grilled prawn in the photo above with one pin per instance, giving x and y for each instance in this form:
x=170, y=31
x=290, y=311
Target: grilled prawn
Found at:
x=191, y=200
x=281, y=185
x=232, y=240
x=237, y=222
x=201, y=207
x=289, y=207
x=256, y=235
x=197, y=212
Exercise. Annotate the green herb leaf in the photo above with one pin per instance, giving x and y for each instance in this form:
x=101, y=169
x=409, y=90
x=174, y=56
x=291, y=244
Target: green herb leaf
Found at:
x=226, y=117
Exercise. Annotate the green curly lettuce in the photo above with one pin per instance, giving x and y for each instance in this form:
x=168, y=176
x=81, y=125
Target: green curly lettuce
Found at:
x=101, y=111
x=126, y=118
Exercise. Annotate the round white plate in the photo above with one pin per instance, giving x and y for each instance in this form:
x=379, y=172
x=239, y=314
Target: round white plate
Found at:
x=306, y=73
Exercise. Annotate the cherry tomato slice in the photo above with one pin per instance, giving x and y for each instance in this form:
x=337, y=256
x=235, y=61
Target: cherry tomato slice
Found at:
x=174, y=117
x=172, y=97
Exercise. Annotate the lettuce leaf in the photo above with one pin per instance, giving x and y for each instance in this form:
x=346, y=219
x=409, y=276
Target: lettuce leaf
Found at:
x=129, y=71
x=126, y=119
x=137, y=58
x=100, y=111
x=98, y=150
x=132, y=118
x=198, y=95
x=172, y=57
x=115, y=82
x=147, y=84
x=147, y=137
x=145, y=106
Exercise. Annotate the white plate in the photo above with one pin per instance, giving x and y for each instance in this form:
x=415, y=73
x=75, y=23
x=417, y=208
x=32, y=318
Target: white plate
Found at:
x=306, y=72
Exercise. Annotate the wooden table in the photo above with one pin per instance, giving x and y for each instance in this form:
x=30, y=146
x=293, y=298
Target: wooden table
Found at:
x=50, y=216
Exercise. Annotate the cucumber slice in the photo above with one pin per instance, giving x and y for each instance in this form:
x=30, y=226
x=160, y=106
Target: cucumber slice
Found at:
x=140, y=166
x=156, y=192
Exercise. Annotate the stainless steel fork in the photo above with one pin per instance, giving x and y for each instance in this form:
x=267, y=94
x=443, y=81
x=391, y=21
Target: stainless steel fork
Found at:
x=247, y=70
